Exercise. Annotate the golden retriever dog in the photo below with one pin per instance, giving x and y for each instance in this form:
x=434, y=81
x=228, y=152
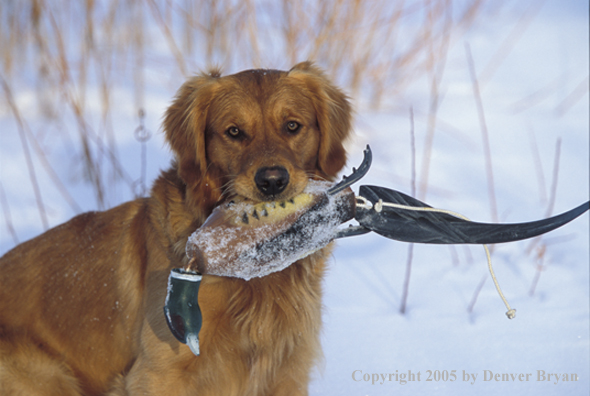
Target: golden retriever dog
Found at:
x=81, y=306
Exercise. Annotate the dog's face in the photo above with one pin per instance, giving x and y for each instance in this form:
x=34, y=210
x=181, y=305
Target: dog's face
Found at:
x=263, y=135
x=260, y=134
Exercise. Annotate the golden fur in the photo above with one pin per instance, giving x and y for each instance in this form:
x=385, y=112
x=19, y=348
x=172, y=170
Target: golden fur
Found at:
x=81, y=305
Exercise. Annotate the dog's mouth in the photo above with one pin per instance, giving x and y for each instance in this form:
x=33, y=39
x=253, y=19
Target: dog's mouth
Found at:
x=273, y=201
x=255, y=196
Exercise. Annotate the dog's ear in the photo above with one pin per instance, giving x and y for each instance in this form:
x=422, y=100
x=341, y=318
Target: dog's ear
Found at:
x=333, y=113
x=185, y=125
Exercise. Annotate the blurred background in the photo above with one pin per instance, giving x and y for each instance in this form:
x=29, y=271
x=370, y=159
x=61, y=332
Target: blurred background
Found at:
x=480, y=106
x=85, y=83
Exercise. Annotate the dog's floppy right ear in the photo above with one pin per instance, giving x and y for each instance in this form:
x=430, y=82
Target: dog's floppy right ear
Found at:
x=185, y=125
x=333, y=113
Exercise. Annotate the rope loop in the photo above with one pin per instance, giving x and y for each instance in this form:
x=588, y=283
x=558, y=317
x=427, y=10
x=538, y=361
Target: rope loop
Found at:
x=364, y=203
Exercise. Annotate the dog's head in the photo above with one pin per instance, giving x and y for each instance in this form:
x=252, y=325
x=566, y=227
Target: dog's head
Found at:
x=260, y=134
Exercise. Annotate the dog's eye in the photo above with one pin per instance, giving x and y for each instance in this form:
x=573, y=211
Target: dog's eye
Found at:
x=293, y=127
x=234, y=132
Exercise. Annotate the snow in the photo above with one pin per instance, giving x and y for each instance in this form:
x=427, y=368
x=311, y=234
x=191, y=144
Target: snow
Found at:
x=363, y=328
x=528, y=103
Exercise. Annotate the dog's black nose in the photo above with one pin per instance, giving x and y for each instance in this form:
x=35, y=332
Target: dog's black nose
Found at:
x=272, y=180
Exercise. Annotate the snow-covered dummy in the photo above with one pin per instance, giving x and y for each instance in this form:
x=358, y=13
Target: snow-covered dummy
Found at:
x=246, y=240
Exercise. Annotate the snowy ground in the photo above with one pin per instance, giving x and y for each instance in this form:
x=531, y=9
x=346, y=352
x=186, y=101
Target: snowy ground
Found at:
x=531, y=94
x=364, y=332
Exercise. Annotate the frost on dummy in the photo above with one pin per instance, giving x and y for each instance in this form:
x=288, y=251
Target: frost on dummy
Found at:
x=246, y=240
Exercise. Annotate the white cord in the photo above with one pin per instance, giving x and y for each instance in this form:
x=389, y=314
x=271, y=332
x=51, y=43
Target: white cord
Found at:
x=364, y=203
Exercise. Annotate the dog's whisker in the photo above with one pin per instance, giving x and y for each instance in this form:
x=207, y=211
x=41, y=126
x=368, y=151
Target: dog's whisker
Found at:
x=315, y=176
x=227, y=189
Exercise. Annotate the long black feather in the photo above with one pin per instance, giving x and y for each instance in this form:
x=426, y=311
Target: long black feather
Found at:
x=441, y=228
